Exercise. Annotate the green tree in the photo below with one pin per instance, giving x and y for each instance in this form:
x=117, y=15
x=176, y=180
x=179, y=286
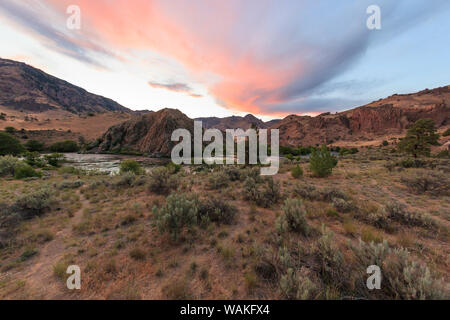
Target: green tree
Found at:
x=10, y=130
x=131, y=166
x=34, y=146
x=419, y=138
x=10, y=145
x=321, y=162
x=65, y=146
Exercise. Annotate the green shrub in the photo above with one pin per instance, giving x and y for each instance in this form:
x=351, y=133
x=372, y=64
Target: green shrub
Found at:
x=69, y=184
x=131, y=166
x=34, y=146
x=7, y=165
x=427, y=181
x=33, y=204
x=161, y=182
x=10, y=145
x=54, y=159
x=216, y=210
x=342, y=205
x=125, y=180
x=446, y=133
x=297, y=172
x=218, y=180
x=173, y=168
x=34, y=159
x=65, y=146
x=294, y=213
x=25, y=171
x=397, y=212
x=10, y=130
x=179, y=212
x=233, y=173
x=321, y=162
x=263, y=192
x=403, y=277
x=307, y=191
x=298, y=285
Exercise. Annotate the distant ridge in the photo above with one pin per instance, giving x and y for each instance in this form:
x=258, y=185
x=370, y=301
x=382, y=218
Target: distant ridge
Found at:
x=23, y=87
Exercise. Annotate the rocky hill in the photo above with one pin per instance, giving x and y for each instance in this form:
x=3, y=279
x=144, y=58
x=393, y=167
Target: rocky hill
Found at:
x=149, y=133
x=385, y=117
x=23, y=87
x=235, y=122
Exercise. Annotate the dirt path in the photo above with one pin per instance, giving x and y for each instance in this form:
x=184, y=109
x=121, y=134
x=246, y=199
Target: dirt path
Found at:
x=38, y=276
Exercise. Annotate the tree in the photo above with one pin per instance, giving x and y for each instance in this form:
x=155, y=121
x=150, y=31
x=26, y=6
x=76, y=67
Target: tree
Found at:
x=65, y=146
x=10, y=145
x=34, y=146
x=10, y=130
x=419, y=138
x=321, y=162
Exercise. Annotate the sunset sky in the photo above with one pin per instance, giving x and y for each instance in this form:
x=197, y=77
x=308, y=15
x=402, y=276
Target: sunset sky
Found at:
x=218, y=58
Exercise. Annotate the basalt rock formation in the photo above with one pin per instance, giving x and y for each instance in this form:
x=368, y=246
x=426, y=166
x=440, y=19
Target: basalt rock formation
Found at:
x=148, y=133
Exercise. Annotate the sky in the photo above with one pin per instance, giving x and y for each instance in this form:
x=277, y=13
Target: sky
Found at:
x=219, y=58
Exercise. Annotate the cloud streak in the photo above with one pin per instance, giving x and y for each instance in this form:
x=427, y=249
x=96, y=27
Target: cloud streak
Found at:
x=175, y=87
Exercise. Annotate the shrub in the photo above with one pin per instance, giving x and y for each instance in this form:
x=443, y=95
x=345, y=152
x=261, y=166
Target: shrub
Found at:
x=160, y=181
x=33, y=204
x=446, y=133
x=321, y=162
x=54, y=159
x=297, y=285
x=264, y=193
x=173, y=168
x=294, y=213
x=233, y=173
x=65, y=146
x=341, y=205
x=137, y=254
x=329, y=259
x=411, y=163
x=131, y=166
x=179, y=212
x=125, y=180
x=427, y=181
x=397, y=212
x=10, y=130
x=307, y=191
x=419, y=137
x=444, y=154
x=7, y=165
x=34, y=146
x=34, y=159
x=403, y=278
x=10, y=145
x=297, y=172
x=69, y=184
x=216, y=210
x=385, y=143
x=25, y=171
x=218, y=180
x=330, y=193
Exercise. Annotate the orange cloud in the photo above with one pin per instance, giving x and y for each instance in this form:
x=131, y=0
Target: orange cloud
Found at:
x=238, y=76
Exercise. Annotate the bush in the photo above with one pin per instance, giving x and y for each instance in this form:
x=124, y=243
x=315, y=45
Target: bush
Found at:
x=444, y=154
x=427, y=181
x=65, y=146
x=25, y=171
x=179, y=212
x=131, y=166
x=216, y=210
x=34, y=146
x=34, y=159
x=403, y=278
x=218, y=180
x=173, y=168
x=321, y=162
x=7, y=165
x=70, y=184
x=125, y=180
x=137, y=254
x=397, y=212
x=294, y=214
x=297, y=285
x=160, y=181
x=33, y=204
x=341, y=205
x=10, y=130
x=10, y=145
x=263, y=192
x=54, y=159
x=297, y=172
x=233, y=173
x=307, y=191
x=330, y=260
x=446, y=133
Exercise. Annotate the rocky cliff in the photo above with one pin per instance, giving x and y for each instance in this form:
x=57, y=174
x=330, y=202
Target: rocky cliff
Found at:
x=390, y=116
x=149, y=133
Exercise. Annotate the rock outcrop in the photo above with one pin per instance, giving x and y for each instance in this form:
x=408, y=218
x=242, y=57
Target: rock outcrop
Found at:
x=148, y=133
x=390, y=116
x=235, y=122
